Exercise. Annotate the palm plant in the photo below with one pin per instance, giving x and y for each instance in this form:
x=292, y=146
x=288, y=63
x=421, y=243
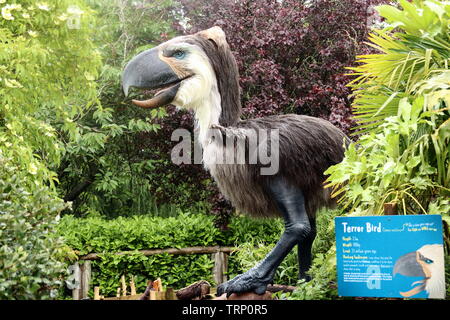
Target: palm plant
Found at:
x=413, y=60
x=402, y=106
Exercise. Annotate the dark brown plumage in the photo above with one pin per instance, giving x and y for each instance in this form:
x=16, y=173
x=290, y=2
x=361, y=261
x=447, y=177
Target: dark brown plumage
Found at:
x=307, y=147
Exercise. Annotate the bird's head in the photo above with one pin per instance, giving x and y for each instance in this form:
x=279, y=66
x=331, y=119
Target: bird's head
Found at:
x=427, y=262
x=190, y=72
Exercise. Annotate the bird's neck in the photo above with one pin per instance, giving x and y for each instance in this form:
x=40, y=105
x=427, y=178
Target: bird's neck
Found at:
x=207, y=114
x=221, y=106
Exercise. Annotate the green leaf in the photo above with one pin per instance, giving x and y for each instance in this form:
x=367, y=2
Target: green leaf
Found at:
x=413, y=162
x=404, y=109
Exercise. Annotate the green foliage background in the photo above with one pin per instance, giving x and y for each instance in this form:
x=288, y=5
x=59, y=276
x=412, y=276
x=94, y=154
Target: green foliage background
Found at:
x=47, y=73
x=403, y=106
x=112, y=167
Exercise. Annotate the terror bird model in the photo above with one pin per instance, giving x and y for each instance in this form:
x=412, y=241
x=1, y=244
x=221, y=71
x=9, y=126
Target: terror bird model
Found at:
x=198, y=72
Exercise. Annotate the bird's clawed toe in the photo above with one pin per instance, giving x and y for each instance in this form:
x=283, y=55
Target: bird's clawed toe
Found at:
x=246, y=282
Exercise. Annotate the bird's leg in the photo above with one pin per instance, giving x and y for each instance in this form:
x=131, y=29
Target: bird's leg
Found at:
x=304, y=252
x=291, y=203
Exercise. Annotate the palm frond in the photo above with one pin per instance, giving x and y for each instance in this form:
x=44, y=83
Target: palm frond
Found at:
x=411, y=62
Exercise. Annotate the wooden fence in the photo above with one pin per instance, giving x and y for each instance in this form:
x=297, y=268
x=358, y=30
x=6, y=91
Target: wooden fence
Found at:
x=82, y=271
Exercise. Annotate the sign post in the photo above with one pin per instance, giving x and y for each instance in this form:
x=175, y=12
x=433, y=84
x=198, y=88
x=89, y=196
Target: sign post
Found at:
x=390, y=256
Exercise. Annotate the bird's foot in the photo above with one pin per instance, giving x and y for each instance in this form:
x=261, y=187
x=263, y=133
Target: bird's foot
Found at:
x=305, y=277
x=249, y=281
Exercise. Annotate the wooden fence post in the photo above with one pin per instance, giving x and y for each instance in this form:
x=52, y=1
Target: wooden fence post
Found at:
x=390, y=209
x=132, y=286
x=220, y=267
x=76, y=281
x=124, y=285
x=81, y=277
x=81, y=280
x=85, y=269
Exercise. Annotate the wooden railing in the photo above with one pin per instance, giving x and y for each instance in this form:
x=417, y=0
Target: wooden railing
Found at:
x=82, y=271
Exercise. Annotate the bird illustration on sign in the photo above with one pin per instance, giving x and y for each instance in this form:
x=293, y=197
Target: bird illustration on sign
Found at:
x=426, y=262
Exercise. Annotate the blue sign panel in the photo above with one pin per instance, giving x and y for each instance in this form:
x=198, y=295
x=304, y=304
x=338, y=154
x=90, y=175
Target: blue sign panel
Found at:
x=390, y=256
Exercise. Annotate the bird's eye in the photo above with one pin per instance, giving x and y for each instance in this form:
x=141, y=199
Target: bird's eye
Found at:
x=428, y=261
x=179, y=54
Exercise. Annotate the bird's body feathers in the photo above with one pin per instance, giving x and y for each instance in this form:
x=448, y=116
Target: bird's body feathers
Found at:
x=307, y=147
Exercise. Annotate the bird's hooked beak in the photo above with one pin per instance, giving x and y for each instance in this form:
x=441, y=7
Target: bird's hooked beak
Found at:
x=148, y=71
x=412, y=265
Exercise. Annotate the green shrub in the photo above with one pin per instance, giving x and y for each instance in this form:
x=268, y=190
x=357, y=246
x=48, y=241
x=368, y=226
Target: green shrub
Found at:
x=137, y=233
x=402, y=104
x=104, y=236
x=176, y=271
x=28, y=266
x=47, y=70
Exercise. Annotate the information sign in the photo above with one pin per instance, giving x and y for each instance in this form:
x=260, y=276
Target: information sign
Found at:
x=390, y=256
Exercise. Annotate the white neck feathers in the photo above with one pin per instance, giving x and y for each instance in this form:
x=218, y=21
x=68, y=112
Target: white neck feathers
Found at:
x=207, y=113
